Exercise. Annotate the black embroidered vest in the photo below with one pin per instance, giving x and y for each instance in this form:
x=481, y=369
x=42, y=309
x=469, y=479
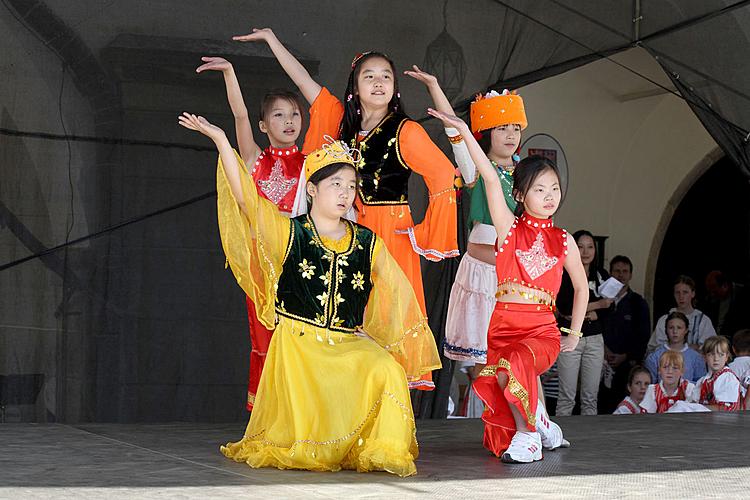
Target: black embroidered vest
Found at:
x=322, y=287
x=384, y=175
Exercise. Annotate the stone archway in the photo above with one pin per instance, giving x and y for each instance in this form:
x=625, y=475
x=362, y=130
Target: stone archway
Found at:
x=695, y=235
x=690, y=179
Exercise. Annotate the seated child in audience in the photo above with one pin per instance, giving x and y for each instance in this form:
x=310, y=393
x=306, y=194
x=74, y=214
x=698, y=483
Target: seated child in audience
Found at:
x=639, y=379
x=661, y=396
x=719, y=390
x=741, y=364
x=677, y=329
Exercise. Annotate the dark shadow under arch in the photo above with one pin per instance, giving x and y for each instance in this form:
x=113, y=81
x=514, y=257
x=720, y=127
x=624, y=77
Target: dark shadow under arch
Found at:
x=709, y=229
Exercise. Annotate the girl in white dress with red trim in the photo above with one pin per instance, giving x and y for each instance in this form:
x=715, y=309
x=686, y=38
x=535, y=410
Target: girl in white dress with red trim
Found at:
x=720, y=389
x=662, y=396
x=639, y=379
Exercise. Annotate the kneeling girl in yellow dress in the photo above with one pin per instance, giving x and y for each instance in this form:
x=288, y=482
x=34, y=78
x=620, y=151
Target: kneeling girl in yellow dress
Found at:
x=333, y=394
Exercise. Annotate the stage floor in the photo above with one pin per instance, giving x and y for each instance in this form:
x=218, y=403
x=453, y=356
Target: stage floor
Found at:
x=667, y=456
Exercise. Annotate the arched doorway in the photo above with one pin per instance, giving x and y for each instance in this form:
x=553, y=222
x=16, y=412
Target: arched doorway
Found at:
x=710, y=229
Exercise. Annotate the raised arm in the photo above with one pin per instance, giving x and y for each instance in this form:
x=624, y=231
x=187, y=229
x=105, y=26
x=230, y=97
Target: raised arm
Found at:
x=442, y=103
x=249, y=150
x=228, y=158
x=293, y=68
x=502, y=217
x=460, y=151
x=577, y=273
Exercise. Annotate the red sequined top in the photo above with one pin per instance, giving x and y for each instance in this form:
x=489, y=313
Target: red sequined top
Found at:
x=276, y=174
x=532, y=254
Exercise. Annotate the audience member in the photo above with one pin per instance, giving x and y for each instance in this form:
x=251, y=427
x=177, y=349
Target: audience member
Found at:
x=672, y=388
x=719, y=390
x=727, y=304
x=677, y=328
x=701, y=325
x=638, y=381
x=587, y=358
x=625, y=336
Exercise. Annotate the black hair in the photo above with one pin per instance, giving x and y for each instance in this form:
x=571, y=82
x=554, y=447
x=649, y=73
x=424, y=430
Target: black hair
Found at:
x=681, y=317
x=351, y=123
x=271, y=97
x=485, y=137
x=593, y=267
x=326, y=172
x=741, y=341
x=620, y=259
x=526, y=173
x=635, y=371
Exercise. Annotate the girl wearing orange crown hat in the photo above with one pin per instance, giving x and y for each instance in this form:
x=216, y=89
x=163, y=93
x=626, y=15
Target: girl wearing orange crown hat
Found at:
x=333, y=394
x=502, y=118
x=523, y=340
x=371, y=119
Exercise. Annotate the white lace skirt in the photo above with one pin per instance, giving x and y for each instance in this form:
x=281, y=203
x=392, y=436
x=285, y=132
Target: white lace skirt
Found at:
x=470, y=307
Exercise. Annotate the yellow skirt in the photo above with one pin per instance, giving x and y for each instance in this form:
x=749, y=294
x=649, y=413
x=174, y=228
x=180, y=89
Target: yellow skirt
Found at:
x=329, y=401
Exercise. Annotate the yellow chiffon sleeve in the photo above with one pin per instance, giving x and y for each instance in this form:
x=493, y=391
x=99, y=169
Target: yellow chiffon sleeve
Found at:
x=394, y=319
x=254, y=244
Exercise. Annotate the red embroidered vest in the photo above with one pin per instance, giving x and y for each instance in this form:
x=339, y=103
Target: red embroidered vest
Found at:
x=276, y=174
x=532, y=254
x=664, y=401
x=707, y=392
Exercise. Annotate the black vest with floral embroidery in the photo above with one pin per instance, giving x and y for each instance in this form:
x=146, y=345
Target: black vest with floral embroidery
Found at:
x=384, y=175
x=322, y=287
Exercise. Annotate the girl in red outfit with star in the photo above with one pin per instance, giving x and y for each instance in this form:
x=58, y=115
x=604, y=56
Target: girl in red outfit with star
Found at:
x=523, y=340
x=275, y=170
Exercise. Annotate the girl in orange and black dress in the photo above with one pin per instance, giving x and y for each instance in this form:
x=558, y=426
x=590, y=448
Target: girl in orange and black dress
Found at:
x=393, y=146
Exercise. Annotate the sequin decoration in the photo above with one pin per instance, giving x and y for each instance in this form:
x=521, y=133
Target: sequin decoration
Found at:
x=277, y=185
x=535, y=260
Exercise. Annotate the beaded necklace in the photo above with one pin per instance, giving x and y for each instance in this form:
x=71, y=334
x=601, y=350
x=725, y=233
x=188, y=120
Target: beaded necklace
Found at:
x=506, y=177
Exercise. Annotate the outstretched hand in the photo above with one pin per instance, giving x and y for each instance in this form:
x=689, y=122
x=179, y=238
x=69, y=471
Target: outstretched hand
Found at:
x=448, y=120
x=422, y=76
x=214, y=64
x=200, y=124
x=258, y=35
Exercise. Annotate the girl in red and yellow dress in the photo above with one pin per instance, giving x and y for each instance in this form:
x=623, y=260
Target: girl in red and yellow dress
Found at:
x=276, y=171
x=392, y=146
x=523, y=340
x=347, y=328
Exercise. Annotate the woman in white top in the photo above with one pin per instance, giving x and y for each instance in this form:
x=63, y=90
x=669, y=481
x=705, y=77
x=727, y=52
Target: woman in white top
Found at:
x=701, y=327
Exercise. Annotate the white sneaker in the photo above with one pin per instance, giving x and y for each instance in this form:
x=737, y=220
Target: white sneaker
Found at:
x=550, y=432
x=525, y=447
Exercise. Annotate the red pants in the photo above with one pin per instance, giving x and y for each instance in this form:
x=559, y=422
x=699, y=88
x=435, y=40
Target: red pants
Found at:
x=522, y=342
x=260, y=337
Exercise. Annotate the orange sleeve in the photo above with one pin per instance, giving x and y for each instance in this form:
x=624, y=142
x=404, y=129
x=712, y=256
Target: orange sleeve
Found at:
x=435, y=237
x=326, y=113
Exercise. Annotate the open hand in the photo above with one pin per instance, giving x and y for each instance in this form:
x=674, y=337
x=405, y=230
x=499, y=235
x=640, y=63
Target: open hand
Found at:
x=422, y=76
x=258, y=35
x=214, y=64
x=449, y=120
x=200, y=124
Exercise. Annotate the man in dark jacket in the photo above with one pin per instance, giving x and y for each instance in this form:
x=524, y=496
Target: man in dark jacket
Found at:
x=626, y=336
x=727, y=304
